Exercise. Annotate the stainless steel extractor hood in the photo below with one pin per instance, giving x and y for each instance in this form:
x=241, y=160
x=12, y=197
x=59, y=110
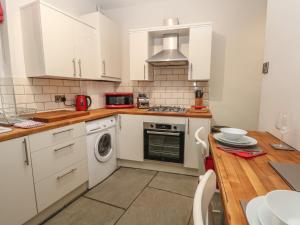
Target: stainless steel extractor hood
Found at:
x=170, y=55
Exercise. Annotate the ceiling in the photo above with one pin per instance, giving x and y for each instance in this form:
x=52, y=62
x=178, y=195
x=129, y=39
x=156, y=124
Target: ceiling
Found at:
x=113, y=4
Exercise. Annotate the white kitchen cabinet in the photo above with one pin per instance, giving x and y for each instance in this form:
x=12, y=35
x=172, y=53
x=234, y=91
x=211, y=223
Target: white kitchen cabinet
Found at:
x=130, y=137
x=108, y=45
x=191, y=152
x=200, y=44
x=17, y=196
x=139, y=53
x=57, y=44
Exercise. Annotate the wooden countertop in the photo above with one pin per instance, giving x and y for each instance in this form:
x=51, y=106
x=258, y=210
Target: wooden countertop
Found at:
x=95, y=114
x=241, y=179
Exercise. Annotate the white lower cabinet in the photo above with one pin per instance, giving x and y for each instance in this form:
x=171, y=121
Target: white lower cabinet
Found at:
x=17, y=199
x=59, y=160
x=55, y=187
x=191, y=153
x=131, y=137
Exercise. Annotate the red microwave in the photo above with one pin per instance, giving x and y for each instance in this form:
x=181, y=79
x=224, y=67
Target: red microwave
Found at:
x=119, y=100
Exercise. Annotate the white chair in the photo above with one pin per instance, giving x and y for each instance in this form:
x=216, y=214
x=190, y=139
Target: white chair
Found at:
x=203, y=150
x=203, y=196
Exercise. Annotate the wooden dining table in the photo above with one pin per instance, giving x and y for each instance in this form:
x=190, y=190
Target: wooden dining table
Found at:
x=244, y=179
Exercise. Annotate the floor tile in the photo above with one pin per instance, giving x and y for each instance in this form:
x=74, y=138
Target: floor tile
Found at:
x=181, y=184
x=122, y=187
x=87, y=212
x=157, y=207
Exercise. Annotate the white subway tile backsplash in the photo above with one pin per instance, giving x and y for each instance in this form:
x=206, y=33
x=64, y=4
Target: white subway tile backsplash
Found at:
x=49, y=89
x=42, y=98
x=41, y=82
x=33, y=89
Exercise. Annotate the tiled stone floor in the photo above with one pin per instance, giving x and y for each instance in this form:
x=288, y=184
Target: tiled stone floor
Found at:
x=134, y=197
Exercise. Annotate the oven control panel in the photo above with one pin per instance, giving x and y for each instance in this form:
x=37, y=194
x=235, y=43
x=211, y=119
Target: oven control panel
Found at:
x=165, y=127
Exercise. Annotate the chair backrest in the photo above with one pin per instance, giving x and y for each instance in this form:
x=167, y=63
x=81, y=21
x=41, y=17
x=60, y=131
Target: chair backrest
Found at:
x=203, y=149
x=199, y=141
x=203, y=196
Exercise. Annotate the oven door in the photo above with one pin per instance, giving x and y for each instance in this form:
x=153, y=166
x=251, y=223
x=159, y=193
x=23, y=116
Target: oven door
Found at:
x=165, y=146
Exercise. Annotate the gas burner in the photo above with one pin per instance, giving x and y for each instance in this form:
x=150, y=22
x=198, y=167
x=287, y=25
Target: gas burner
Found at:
x=161, y=108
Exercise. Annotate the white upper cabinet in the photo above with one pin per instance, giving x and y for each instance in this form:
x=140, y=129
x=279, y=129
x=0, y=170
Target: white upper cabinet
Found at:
x=57, y=44
x=108, y=45
x=139, y=53
x=17, y=196
x=200, y=43
x=195, y=42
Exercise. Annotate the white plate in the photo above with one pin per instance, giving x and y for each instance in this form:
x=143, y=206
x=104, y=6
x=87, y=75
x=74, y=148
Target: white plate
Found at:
x=251, y=210
x=285, y=205
x=266, y=216
x=5, y=129
x=243, y=140
x=252, y=141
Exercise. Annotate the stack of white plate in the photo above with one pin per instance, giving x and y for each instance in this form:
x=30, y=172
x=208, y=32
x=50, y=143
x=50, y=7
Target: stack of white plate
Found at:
x=279, y=207
x=234, y=137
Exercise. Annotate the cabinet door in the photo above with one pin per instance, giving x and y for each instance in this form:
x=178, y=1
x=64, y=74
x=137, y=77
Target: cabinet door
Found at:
x=139, y=48
x=87, y=57
x=200, y=52
x=110, y=46
x=131, y=137
x=192, y=150
x=58, y=42
x=17, y=196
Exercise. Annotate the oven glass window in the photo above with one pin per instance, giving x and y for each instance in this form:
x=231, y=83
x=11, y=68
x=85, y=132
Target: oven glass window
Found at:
x=164, y=147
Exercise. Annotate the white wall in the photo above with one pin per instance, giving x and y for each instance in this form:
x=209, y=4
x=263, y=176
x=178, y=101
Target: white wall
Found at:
x=237, y=49
x=75, y=7
x=280, y=88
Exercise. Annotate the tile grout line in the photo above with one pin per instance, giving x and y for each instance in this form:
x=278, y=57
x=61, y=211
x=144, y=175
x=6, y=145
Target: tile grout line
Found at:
x=106, y=203
x=171, y=192
x=137, y=196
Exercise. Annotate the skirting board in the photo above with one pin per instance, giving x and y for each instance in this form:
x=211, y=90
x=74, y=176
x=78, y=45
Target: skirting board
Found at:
x=57, y=206
x=159, y=166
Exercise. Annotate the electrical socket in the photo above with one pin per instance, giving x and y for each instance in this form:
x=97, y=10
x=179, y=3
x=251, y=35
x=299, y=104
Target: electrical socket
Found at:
x=60, y=98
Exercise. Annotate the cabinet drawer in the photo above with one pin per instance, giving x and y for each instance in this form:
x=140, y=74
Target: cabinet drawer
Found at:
x=51, y=160
x=53, y=188
x=56, y=136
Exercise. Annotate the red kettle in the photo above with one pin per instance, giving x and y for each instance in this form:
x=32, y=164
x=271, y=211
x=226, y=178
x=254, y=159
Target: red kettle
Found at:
x=82, y=102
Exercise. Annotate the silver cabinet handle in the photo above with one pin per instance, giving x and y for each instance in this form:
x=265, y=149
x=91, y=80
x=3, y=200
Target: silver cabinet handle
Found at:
x=74, y=67
x=63, y=131
x=67, y=173
x=188, y=126
x=26, y=152
x=120, y=122
x=62, y=148
x=104, y=69
x=79, y=64
x=164, y=133
x=144, y=72
x=191, y=69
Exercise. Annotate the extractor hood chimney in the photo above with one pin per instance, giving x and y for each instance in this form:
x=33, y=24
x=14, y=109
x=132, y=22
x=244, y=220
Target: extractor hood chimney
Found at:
x=170, y=55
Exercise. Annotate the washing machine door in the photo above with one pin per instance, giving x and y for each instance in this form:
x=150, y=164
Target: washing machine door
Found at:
x=103, y=147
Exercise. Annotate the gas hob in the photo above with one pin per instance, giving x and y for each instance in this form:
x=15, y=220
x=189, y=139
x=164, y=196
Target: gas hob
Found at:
x=160, y=108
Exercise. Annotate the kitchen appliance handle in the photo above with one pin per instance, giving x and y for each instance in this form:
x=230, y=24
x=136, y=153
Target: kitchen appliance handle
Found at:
x=26, y=152
x=63, y=131
x=61, y=176
x=80, y=70
x=104, y=69
x=62, y=148
x=163, y=133
x=89, y=100
x=188, y=126
x=144, y=72
x=74, y=67
x=120, y=122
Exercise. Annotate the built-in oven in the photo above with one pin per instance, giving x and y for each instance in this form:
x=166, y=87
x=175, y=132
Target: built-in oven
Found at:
x=164, y=142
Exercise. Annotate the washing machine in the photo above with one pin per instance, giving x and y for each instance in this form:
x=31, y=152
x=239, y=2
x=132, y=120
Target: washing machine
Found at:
x=101, y=149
